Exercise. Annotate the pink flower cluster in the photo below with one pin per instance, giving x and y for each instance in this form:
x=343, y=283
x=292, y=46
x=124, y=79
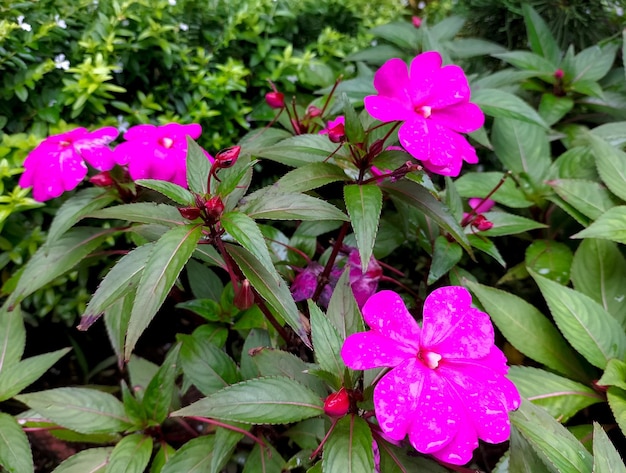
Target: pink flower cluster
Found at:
x=58, y=163
x=447, y=386
x=434, y=104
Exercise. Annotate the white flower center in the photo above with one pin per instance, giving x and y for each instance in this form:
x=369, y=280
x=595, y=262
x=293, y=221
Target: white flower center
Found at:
x=431, y=359
x=167, y=142
x=425, y=110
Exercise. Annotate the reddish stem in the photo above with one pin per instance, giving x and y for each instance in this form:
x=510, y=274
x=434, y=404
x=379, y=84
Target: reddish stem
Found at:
x=324, y=277
x=230, y=427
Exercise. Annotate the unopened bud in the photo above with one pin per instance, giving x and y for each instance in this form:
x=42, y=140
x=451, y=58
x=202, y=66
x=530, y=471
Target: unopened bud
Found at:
x=214, y=207
x=417, y=21
x=244, y=297
x=558, y=74
x=227, y=157
x=102, y=179
x=376, y=148
x=275, y=99
x=190, y=213
x=298, y=128
x=313, y=111
x=337, y=134
x=337, y=404
x=481, y=223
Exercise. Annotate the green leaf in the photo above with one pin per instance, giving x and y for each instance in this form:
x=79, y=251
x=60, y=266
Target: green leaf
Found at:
x=353, y=126
x=606, y=458
x=614, y=374
x=529, y=330
x=207, y=366
x=598, y=270
x=16, y=377
x=400, y=33
x=278, y=206
x=591, y=330
x=509, y=224
x=257, y=339
x=521, y=147
x=15, y=454
x=559, y=396
x=166, y=261
x=445, y=256
x=122, y=279
x=417, y=196
x=131, y=454
x=142, y=212
x=551, y=259
x=364, y=203
x=264, y=460
x=309, y=177
x=198, y=168
x=590, y=198
x=81, y=409
x=480, y=184
x=193, y=457
x=162, y=456
x=522, y=456
x=92, y=460
x=326, y=342
x=617, y=403
x=554, y=443
x=614, y=133
x=246, y=232
x=54, y=259
x=225, y=442
x=349, y=447
x=275, y=292
x=299, y=150
x=593, y=63
x=465, y=48
x=501, y=104
x=611, y=163
x=12, y=337
x=541, y=40
x=343, y=311
x=528, y=60
x=271, y=362
x=553, y=108
x=75, y=208
x=116, y=323
x=158, y=396
x=172, y=191
x=234, y=181
x=271, y=400
x=486, y=246
x=611, y=225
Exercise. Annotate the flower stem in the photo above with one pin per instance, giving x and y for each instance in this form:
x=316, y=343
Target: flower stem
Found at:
x=230, y=427
x=323, y=278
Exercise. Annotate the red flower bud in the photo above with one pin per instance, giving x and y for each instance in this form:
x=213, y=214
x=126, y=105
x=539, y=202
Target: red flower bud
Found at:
x=558, y=74
x=275, y=99
x=337, y=133
x=417, y=21
x=214, y=207
x=481, y=223
x=244, y=297
x=227, y=157
x=102, y=179
x=337, y=404
x=313, y=111
x=190, y=213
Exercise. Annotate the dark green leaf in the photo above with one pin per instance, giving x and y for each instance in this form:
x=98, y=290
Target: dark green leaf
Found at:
x=396, y=460
x=225, y=442
x=12, y=337
x=271, y=400
x=465, y=48
x=205, y=284
x=131, y=454
x=480, y=184
x=522, y=456
x=364, y=203
x=541, y=40
x=611, y=225
x=234, y=181
x=527, y=60
x=142, y=212
x=486, y=246
x=300, y=150
x=157, y=398
x=343, y=311
x=92, y=460
x=399, y=33
x=257, y=339
x=353, y=126
x=501, y=104
x=264, y=460
x=193, y=457
x=349, y=447
x=611, y=163
x=116, y=323
x=163, y=266
x=614, y=374
x=15, y=454
x=617, y=402
x=198, y=168
x=590, y=198
x=509, y=224
x=553, y=108
x=81, y=409
x=606, y=458
x=446, y=254
x=174, y=192
x=309, y=177
x=163, y=455
x=551, y=259
x=291, y=207
x=327, y=343
x=593, y=63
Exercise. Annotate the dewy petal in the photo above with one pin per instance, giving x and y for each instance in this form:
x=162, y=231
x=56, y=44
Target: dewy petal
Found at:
x=424, y=69
x=462, y=117
x=392, y=80
x=460, y=449
x=388, y=109
x=386, y=314
x=452, y=328
x=450, y=87
x=366, y=350
x=140, y=132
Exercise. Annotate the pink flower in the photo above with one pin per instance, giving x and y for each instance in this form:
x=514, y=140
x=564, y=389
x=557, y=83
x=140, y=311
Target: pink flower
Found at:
x=158, y=152
x=57, y=164
x=363, y=284
x=447, y=387
x=433, y=102
x=479, y=206
x=476, y=218
x=332, y=124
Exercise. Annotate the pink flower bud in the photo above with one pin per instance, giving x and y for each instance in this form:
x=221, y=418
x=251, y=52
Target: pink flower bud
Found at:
x=227, y=157
x=102, y=179
x=275, y=99
x=190, y=213
x=214, y=207
x=558, y=74
x=481, y=223
x=337, y=134
x=244, y=297
x=337, y=404
x=313, y=111
x=417, y=21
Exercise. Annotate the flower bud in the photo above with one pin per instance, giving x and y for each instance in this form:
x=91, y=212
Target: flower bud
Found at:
x=313, y=111
x=558, y=74
x=481, y=223
x=102, y=179
x=337, y=404
x=227, y=157
x=417, y=21
x=244, y=297
x=275, y=99
x=337, y=134
x=190, y=213
x=214, y=207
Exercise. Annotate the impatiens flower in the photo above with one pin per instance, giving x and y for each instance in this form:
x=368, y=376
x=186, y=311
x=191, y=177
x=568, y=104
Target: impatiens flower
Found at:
x=157, y=152
x=340, y=120
x=304, y=284
x=363, y=284
x=479, y=205
x=57, y=164
x=475, y=218
x=433, y=102
x=447, y=386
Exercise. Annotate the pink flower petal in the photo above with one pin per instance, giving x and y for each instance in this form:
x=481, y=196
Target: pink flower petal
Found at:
x=388, y=109
x=460, y=449
x=386, y=313
x=450, y=87
x=366, y=350
x=452, y=328
x=462, y=117
x=392, y=80
x=480, y=205
x=140, y=132
x=423, y=74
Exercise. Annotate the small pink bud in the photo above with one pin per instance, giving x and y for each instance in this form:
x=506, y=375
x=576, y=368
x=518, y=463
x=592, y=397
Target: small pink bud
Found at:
x=481, y=223
x=275, y=99
x=102, y=179
x=227, y=157
x=337, y=134
x=558, y=74
x=214, y=207
x=244, y=297
x=417, y=21
x=337, y=404
x=190, y=213
x=313, y=111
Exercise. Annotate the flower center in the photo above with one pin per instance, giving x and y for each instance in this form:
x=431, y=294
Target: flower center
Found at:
x=430, y=358
x=166, y=142
x=65, y=144
x=424, y=110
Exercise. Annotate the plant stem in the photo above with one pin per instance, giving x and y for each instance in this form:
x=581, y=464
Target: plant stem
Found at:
x=323, y=278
